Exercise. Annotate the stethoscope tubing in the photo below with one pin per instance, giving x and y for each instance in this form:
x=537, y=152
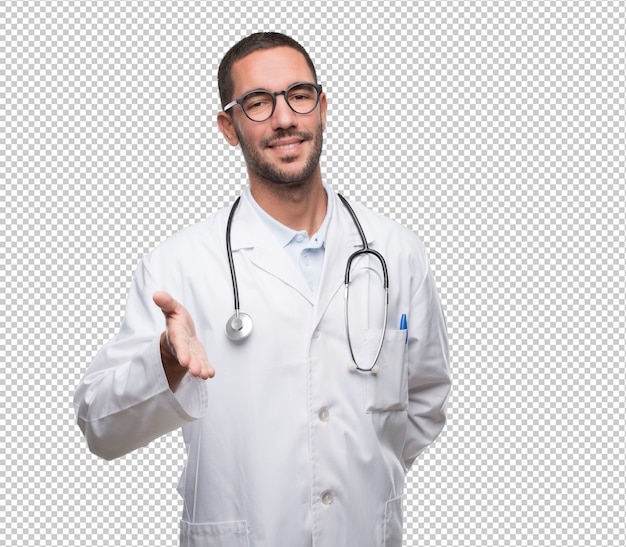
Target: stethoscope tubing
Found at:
x=239, y=326
x=229, y=252
x=364, y=251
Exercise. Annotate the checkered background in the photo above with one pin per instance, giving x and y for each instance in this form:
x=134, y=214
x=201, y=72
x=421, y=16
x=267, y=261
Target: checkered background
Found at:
x=495, y=129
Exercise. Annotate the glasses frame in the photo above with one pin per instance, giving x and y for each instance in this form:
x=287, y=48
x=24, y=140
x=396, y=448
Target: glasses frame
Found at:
x=274, y=94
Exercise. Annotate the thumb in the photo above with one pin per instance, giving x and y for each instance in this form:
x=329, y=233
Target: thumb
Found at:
x=165, y=301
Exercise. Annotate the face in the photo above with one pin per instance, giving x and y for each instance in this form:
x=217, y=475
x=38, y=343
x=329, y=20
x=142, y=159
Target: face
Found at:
x=286, y=148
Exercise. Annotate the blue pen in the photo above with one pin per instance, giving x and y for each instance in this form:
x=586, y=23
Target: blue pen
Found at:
x=403, y=326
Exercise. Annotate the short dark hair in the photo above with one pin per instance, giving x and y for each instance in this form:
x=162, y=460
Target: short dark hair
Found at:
x=243, y=48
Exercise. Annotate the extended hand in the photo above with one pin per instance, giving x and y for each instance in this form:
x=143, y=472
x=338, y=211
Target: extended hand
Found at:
x=181, y=350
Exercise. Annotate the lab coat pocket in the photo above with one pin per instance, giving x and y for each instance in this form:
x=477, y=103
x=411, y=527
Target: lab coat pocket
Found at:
x=393, y=523
x=387, y=389
x=214, y=534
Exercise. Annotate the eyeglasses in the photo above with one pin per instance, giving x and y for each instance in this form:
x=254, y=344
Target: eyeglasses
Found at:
x=259, y=105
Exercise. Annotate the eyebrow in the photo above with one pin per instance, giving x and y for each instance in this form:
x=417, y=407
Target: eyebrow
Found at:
x=265, y=90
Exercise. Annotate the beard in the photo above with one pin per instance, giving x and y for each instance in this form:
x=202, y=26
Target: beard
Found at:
x=273, y=173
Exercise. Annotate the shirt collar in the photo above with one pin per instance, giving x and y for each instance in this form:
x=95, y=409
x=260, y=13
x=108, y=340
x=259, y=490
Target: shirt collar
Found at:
x=284, y=234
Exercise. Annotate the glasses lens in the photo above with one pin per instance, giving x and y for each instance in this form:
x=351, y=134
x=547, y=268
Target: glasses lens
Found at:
x=258, y=105
x=302, y=98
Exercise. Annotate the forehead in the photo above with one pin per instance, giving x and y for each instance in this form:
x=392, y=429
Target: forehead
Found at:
x=273, y=69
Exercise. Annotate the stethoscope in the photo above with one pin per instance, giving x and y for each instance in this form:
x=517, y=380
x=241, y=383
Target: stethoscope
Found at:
x=239, y=325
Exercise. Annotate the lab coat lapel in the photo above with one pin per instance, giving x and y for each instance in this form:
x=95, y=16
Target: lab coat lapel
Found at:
x=251, y=235
x=341, y=241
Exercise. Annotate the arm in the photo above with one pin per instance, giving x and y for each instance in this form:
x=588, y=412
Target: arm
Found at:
x=125, y=399
x=429, y=374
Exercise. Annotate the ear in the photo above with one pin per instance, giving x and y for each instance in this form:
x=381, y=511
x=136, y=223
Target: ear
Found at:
x=227, y=127
x=323, y=109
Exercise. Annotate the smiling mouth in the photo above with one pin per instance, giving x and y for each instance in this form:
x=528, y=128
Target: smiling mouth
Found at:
x=286, y=147
x=286, y=143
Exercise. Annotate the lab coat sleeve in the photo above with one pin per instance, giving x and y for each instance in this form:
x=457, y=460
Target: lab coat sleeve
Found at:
x=429, y=374
x=124, y=401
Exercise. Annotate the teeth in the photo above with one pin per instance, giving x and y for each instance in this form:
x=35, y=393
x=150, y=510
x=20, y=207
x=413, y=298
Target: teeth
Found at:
x=286, y=146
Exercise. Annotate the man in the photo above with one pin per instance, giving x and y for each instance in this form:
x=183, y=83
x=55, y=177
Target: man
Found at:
x=298, y=434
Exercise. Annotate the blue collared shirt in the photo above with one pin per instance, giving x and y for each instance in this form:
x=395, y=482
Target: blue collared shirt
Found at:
x=307, y=253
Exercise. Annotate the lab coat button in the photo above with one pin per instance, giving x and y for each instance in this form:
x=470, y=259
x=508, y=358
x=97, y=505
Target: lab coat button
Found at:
x=324, y=415
x=327, y=497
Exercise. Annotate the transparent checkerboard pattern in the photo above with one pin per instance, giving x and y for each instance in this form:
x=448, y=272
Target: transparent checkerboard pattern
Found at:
x=496, y=130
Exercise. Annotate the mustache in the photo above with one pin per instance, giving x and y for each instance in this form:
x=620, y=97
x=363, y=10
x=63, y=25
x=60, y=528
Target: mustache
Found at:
x=305, y=136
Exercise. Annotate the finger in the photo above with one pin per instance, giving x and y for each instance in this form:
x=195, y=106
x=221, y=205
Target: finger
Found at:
x=165, y=301
x=199, y=365
x=207, y=370
x=201, y=368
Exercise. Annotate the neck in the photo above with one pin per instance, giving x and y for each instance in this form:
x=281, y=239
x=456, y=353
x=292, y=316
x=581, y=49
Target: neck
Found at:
x=300, y=206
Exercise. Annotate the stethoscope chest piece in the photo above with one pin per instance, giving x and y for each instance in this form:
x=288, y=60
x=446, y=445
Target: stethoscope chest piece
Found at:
x=238, y=326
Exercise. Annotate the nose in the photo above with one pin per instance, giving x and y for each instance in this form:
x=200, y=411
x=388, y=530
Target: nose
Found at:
x=283, y=116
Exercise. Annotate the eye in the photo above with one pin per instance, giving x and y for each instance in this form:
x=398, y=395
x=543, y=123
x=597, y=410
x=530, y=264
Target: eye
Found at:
x=302, y=93
x=257, y=101
x=303, y=98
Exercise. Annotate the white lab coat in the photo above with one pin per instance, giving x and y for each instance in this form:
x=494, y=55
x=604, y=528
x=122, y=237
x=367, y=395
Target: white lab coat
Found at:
x=285, y=445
